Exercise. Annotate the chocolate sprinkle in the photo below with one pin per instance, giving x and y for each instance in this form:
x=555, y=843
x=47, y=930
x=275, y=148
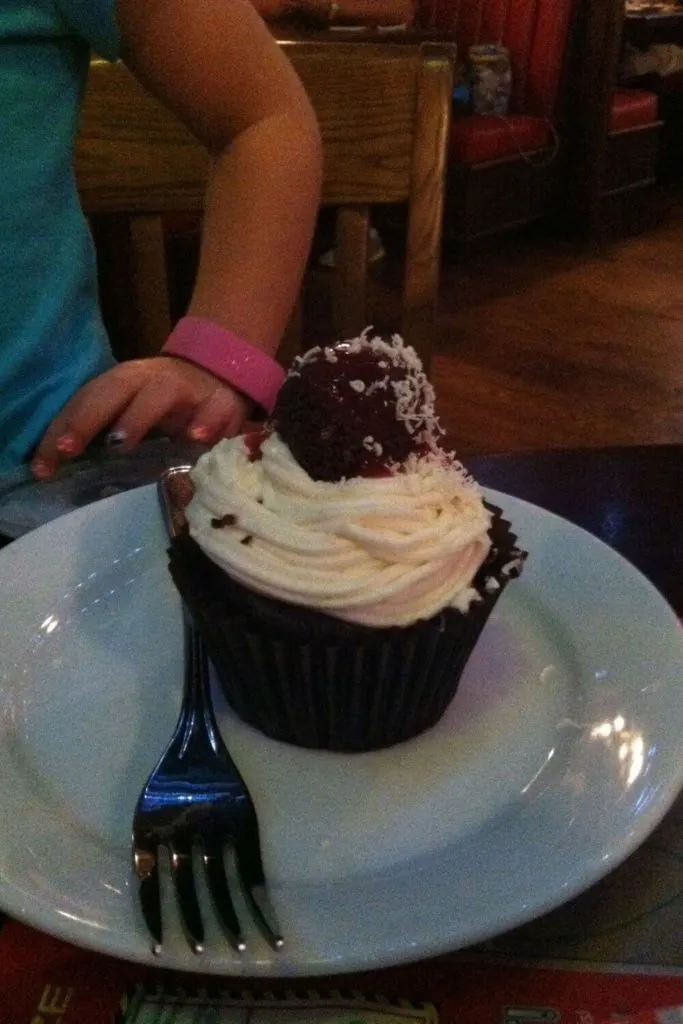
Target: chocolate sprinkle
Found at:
x=226, y=520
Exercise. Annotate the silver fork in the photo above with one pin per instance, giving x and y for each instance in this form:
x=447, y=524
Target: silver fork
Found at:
x=196, y=805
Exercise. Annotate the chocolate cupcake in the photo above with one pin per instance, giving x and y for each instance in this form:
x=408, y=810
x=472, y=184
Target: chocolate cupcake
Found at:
x=341, y=564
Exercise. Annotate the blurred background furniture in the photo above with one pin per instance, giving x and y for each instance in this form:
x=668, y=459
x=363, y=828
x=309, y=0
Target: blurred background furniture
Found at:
x=653, y=61
x=611, y=150
x=655, y=24
x=502, y=171
x=573, y=138
x=384, y=109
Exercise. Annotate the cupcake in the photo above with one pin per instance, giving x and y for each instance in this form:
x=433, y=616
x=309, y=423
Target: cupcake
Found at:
x=341, y=563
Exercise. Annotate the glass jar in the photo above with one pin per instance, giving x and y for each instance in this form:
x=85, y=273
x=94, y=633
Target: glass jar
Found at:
x=490, y=75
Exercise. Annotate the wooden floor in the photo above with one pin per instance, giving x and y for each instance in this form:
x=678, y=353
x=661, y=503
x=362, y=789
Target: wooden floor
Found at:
x=540, y=345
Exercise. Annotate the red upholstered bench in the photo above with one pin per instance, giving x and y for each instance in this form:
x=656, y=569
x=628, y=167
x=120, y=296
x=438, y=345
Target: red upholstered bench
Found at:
x=632, y=108
x=480, y=138
x=564, y=65
x=501, y=172
x=632, y=142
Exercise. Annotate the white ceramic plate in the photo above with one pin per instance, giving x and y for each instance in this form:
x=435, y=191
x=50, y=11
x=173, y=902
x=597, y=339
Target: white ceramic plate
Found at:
x=561, y=752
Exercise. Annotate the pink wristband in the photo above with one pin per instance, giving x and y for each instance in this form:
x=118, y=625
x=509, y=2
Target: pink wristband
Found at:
x=235, y=361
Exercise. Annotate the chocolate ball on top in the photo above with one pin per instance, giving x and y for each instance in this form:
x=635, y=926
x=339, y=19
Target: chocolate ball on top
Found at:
x=356, y=408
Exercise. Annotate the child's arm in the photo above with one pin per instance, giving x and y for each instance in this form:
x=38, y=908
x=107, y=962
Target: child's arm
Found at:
x=216, y=65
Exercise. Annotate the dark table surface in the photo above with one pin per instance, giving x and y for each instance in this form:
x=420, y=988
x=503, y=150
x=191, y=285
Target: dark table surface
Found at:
x=629, y=497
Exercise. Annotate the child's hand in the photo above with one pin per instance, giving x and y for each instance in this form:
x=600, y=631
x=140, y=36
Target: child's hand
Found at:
x=130, y=399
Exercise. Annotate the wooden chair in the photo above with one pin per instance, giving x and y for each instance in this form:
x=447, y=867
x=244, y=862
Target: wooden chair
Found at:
x=384, y=112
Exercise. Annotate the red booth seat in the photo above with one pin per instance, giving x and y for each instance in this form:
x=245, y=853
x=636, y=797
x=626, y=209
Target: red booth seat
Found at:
x=632, y=108
x=535, y=32
x=477, y=138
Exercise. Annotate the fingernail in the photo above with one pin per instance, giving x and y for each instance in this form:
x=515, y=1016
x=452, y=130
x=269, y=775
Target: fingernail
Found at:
x=116, y=439
x=198, y=434
x=67, y=444
x=40, y=469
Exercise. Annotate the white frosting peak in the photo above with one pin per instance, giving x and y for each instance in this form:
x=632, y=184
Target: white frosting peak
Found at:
x=383, y=551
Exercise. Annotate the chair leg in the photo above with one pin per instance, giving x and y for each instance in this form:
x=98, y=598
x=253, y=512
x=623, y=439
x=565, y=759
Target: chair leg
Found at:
x=350, y=275
x=150, y=281
x=111, y=233
x=291, y=343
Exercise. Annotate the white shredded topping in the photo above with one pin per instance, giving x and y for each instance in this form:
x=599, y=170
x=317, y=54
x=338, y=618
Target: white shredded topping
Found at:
x=373, y=446
x=378, y=385
x=414, y=396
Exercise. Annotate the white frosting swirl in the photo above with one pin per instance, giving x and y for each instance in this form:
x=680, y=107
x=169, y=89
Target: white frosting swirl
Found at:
x=381, y=551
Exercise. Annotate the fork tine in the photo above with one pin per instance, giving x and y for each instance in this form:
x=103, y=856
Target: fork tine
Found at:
x=250, y=868
x=217, y=880
x=182, y=873
x=147, y=870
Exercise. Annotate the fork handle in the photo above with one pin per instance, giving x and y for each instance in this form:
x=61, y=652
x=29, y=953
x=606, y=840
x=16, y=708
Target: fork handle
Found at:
x=200, y=738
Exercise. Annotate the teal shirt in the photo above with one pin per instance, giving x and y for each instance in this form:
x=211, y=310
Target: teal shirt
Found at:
x=51, y=335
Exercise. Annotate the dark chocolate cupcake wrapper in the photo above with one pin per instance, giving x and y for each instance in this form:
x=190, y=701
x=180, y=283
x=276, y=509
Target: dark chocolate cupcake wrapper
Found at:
x=303, y=677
